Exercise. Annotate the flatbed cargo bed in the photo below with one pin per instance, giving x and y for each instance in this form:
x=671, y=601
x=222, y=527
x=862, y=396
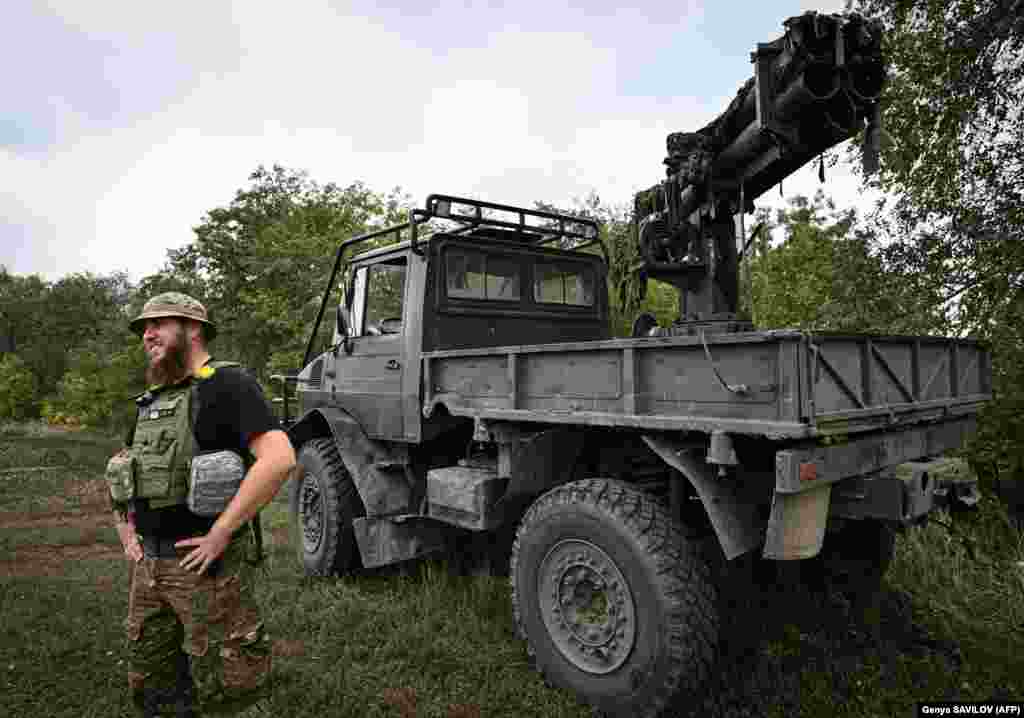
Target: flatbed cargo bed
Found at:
x=781, y=384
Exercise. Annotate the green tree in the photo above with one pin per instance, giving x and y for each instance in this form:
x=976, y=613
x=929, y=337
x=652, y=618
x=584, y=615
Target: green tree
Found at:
x=954, y=172
x=952, y=165
x=260, y=263
x=828, y=275
x=22, y=299
x=96, y=391
x=48, y=320
x=18, y=389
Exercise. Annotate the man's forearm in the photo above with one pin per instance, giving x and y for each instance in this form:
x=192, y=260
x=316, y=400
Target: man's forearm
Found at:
x=124, y=524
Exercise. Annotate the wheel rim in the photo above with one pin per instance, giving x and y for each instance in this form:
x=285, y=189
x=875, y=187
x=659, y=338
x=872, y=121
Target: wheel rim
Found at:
x=587, y=606
x=311, y=513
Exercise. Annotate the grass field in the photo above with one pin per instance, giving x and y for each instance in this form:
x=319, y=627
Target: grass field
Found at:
x=949, y=624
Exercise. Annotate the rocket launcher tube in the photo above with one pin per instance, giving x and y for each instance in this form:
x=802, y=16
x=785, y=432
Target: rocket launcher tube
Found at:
x=818, y=99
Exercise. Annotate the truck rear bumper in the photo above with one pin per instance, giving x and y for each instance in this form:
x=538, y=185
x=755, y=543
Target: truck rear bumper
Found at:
x=807, y=469
x=887, y=477
x=907, y=494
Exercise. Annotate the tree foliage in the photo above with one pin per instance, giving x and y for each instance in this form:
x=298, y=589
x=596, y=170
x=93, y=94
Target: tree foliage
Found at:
x=952, y=165
x=828, y=274
x=46, y=320
x=96, y=390
x=18, y=388
x=954, y=173
x=261, y=263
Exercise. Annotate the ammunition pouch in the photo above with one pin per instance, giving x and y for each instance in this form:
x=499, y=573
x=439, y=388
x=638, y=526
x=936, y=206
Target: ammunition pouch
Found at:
x=214, y=479
x=121, y=474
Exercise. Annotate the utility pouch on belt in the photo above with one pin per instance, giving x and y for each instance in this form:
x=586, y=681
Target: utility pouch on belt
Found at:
x=121, y=477
x=214, y=480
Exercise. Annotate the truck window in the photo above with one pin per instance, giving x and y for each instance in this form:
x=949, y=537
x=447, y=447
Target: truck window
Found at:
x=563, y=283
x=384, y=298
x=476, y=275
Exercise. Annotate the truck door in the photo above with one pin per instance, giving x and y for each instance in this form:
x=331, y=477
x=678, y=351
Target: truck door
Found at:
x=368, y=380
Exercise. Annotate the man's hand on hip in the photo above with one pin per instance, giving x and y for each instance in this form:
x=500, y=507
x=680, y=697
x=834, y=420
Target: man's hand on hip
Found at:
x=208, y=548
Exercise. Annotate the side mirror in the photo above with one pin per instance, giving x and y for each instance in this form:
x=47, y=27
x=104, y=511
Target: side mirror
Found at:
x=350, y=293
x=341, y=322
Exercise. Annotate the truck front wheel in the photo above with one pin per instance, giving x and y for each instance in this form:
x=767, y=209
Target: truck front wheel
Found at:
x=613, y=601
x=324, y=502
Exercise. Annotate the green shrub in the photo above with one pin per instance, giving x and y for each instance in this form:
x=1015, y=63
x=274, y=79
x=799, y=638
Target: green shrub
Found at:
x=18, y=389
x=97, y=391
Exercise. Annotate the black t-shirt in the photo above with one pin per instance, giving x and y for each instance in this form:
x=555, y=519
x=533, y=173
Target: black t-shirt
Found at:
x=231, y=408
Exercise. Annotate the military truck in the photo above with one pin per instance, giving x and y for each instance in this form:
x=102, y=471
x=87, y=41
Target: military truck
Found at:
x=465, y=391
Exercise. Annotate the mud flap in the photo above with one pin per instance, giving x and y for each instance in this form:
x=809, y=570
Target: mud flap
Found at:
x=796, y=528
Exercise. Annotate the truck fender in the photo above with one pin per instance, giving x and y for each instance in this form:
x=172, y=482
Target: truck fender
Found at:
x=380, y=471
x=736, y=521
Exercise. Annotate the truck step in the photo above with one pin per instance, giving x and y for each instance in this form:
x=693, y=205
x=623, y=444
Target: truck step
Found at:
x=465, y=496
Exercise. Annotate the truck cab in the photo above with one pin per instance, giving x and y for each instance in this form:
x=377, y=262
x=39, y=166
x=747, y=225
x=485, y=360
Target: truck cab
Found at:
x=479, y=284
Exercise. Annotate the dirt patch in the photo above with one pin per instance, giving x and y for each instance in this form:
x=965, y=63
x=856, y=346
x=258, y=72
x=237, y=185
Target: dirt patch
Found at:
x=85, y=505
x=288, y=648
x=404, y=699
x=92, y=494
x=49, y=560
x=53, y=519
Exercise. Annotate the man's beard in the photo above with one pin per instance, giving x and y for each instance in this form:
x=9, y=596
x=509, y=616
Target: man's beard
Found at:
x=174, y=365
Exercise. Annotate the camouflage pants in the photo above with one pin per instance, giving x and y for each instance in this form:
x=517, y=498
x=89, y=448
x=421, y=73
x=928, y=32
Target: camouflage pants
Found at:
x=176, y=617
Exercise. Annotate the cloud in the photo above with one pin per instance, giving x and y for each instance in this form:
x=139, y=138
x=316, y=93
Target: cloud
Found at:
x=146, y=116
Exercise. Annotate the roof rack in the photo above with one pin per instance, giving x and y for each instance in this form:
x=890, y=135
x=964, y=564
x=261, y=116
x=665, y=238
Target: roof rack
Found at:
x=535, y=226
x=545, y=226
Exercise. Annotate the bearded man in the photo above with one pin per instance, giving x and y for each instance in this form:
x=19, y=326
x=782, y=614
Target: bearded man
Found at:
x=195, y=636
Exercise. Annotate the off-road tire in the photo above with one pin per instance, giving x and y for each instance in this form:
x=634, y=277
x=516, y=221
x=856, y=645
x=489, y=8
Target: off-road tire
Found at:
x=669, y=638
x=323, y=503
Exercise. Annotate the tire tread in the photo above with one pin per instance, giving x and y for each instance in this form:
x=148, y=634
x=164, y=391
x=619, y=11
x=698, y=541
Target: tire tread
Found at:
x=680, y=568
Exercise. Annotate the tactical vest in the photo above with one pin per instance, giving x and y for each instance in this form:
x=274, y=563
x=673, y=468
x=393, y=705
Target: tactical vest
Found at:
x=158, y=462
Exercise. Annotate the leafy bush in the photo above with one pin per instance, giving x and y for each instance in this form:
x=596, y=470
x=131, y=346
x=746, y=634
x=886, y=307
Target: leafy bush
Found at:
x=97, y=391
x=18, y=388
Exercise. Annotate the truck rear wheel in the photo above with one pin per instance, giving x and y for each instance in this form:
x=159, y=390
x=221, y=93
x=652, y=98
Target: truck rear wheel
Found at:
x=614, y=603
x=324, y=502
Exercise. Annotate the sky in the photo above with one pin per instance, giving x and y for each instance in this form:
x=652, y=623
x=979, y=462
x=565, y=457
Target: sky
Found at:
x=122, y=123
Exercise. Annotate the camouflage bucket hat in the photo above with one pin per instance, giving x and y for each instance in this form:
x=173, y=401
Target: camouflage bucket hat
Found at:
x=173, y=304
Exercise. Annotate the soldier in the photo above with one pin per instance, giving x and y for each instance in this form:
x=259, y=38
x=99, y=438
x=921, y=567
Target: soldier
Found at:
x=194, y=630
